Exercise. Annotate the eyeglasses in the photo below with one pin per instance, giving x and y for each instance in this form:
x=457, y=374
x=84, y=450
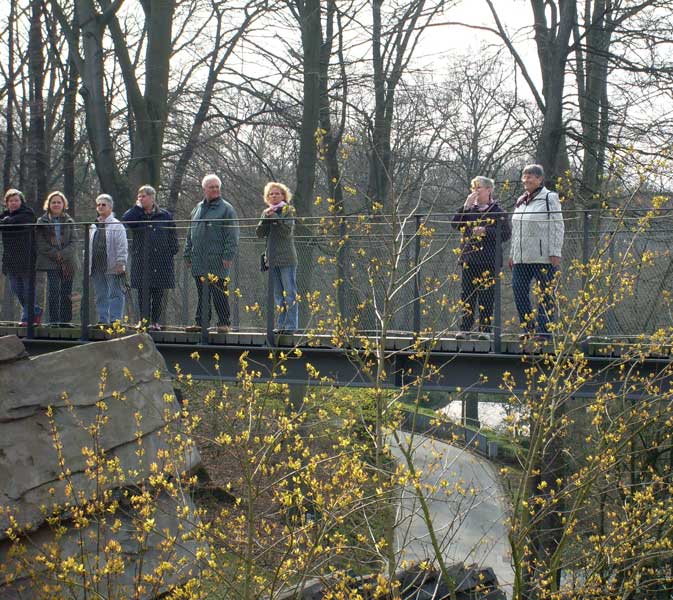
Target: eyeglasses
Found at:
x=101, y=204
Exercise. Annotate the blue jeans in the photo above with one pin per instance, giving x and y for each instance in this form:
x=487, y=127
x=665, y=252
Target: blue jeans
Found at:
x=59, y=290
x=522, y=276
x=109, y=290
x=284, y=280
x=20, y=285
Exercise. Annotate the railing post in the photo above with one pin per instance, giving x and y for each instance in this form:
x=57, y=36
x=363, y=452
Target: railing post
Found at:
x=144, y=291
x=270, y=304
x=585, y=261
x=30, y=309
x=84, y=306
x=417, y=277
x=497, y=289
x=205, y=307
x=186, y=271
x=341, y=268
x=610, y=321
x=585, y=243
x=233, y=297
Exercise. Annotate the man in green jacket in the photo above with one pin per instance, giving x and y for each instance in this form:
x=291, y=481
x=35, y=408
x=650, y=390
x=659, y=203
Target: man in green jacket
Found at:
x=212, y=244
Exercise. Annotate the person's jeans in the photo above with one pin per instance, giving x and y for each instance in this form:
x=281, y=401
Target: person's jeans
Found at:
x=219, y=297
x=477, y=292
x=20, y=285
x=59, y=301
x=284, y=280
x=109, y=290
x=522, y=276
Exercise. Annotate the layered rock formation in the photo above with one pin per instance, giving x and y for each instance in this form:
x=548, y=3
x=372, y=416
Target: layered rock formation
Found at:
x=96, y=422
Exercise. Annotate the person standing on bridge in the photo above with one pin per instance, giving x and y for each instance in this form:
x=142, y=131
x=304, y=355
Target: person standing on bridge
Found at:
x=18, y=240
x=210, y=249
x=535, y=251
x=155, y=243
x=57, y=255
x=108, y=253
x=478, y=220
x=277, y=226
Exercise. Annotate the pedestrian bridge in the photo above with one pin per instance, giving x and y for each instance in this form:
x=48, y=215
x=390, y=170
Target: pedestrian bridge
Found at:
x=361, y=276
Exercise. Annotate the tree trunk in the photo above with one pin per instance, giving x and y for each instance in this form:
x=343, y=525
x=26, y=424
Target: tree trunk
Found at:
x=552, y=40
x=93, y=93
x=593, y=103
x=69, y=135
x=311, y=36
x=150, y=116
x=38, y=166
x=11, y=98
x=379, y=161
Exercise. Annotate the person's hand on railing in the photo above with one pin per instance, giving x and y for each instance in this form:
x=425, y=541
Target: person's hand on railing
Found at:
x=555, y=261
x=119, y=269
x=226, y=263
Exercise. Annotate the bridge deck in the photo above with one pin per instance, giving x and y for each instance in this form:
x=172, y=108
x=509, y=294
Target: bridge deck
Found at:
x=606, y=346
x=455, y=364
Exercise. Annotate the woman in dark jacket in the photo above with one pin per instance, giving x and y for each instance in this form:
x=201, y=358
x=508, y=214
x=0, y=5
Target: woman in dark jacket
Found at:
x=478, y=221
x=19, y=251
x=57, y=255
x=154, y=237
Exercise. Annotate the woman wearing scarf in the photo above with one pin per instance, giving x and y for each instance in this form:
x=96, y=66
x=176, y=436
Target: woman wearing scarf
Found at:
x=277, y=226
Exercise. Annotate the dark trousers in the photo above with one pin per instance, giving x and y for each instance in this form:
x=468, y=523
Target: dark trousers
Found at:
x=477, y=294
x=151, y=304
x=20, y=285
x=59, y=296
x=218, y=295
x=523, y=274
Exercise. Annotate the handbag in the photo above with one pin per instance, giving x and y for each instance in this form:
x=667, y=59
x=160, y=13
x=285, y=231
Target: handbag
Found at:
x=263, y=263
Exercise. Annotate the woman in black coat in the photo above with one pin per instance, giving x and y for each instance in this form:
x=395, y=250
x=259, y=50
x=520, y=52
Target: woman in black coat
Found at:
x=18, y=240
x=154, y=237
x=478, y=220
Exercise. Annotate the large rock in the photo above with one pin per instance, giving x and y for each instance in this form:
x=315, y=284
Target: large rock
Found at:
x=115, y=397
x=11, y=349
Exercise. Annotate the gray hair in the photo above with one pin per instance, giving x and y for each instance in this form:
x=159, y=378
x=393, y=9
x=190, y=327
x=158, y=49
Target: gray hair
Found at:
x=147, y=189
x=108, y=199
x=486, y=182
x=536, y=170
x=211, y=177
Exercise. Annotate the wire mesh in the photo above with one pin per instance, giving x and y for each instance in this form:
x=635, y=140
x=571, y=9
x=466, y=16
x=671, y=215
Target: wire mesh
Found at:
x=358, y=270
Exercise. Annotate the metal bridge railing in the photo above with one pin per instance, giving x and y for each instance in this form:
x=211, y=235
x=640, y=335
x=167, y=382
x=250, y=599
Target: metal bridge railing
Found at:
x=352, y=273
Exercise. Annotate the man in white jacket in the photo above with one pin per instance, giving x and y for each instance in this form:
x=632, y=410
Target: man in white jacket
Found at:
x=535, y=251
x=108, y=253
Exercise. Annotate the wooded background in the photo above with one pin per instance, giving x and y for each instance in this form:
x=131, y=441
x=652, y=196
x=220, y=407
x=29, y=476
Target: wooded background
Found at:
x=333, y=98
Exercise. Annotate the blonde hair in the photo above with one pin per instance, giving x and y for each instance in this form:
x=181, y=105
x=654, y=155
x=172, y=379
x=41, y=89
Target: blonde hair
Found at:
x=45, y=206
x=14, y=192
x=281, y=186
